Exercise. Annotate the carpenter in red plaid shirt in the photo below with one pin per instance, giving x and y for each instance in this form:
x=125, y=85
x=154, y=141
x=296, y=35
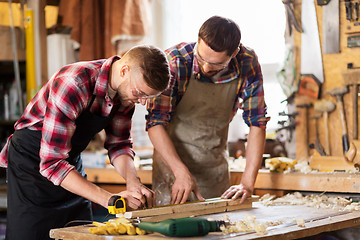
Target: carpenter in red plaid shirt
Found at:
x=47, y=184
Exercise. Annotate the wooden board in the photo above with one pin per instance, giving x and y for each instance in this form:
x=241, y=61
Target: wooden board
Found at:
x=330, y=163
x=316, y=221
x=209, y=206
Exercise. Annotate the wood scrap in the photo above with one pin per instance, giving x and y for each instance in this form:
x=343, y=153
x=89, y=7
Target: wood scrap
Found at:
x=313, y=200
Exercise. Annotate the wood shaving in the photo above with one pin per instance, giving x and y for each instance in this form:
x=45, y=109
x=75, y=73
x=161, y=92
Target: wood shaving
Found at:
x=316, y=201
x=249, y=224
x=300, y=222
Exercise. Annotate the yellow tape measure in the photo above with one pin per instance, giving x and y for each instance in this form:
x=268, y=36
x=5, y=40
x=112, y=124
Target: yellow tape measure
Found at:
x=116, y=205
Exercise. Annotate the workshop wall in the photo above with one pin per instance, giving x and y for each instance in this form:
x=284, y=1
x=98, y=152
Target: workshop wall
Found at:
x=333, y=66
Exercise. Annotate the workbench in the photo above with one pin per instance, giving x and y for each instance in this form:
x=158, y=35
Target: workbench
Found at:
x=316, y=221
x=337, y=182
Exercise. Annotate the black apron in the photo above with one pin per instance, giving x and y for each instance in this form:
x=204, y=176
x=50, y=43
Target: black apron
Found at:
x=36, y=205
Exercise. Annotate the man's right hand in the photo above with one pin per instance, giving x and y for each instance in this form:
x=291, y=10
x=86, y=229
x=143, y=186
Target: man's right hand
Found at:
x=184, y=184
x=133, y=200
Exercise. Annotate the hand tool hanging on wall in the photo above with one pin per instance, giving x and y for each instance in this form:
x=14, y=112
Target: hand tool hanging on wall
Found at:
x=355, y=11
x=331, y=25
x=351, y=77
x=291, y=20
x=318, y=145
x=348, y=9
x=311, y=59
x=303, y=124
x=309, y=85
x=339, y=93
x=325, y=107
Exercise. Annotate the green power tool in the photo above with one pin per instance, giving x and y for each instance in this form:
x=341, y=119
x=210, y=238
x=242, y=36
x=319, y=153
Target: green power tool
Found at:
x=183, y=227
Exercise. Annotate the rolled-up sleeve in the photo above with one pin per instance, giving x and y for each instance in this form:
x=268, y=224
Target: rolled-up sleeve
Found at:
x=254, y=105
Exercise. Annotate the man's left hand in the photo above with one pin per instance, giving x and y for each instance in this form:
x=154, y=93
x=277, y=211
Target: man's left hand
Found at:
x=237, y=191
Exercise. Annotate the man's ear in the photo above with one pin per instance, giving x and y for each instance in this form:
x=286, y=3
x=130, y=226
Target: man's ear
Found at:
x=124, y=69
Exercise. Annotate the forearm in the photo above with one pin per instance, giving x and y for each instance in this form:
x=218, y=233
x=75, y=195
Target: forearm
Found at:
x=124, y=165
x=254, y=154
x=77, y=184
x=164, y=146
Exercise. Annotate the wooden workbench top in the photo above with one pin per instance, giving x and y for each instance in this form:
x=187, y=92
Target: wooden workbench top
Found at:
x=316, y=221
x=340, y=182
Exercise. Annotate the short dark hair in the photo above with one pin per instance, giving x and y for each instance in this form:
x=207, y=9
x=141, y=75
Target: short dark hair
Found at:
x=220, y=34
x=154, y=65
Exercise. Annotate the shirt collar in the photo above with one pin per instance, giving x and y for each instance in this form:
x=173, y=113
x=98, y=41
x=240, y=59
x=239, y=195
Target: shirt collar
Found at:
x=104, y=76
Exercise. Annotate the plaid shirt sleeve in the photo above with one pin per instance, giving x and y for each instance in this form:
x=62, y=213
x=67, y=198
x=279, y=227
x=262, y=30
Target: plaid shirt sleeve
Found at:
x=68, y=98
x=118, y=138
x=65, y=101
x=252, y=91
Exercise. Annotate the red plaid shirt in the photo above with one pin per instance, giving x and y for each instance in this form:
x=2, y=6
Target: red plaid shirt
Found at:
x=57, y=105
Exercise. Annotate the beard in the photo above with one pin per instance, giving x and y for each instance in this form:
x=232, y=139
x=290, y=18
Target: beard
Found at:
x=123, y=96
x=210, y=73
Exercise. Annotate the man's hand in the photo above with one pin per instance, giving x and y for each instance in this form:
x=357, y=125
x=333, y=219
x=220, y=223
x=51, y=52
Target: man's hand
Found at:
x=148, y=195
x=184, y=184
x=133, y=200
x=236, y=191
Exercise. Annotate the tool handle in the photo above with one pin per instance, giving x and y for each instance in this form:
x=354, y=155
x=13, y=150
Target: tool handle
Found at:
x=355, y=113
x=326, y=130
x=348, y=10
x=116, y=205
x=342, y=115
x=345, y=143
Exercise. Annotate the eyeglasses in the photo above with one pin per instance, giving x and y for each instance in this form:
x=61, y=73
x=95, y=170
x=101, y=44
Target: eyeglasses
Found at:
x=202, y=61
x=138, y=93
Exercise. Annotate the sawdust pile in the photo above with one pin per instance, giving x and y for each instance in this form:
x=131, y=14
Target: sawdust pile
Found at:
x=316, y=201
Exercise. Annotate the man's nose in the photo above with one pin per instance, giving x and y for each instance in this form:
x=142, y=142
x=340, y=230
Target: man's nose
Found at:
x=206, y=67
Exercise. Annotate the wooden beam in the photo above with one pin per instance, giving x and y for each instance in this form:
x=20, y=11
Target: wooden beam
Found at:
x=215, y=205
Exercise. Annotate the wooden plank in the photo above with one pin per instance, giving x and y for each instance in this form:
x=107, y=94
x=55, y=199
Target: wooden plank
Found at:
x=321, y=181
x=330, y=163
x=215, y=205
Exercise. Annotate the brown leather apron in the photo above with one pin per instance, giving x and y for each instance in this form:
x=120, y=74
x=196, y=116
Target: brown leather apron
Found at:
x=199, y=131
